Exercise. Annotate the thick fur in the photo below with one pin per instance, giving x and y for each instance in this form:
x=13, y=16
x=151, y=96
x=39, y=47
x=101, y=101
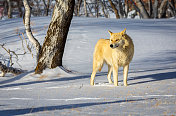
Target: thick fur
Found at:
x=115, y=52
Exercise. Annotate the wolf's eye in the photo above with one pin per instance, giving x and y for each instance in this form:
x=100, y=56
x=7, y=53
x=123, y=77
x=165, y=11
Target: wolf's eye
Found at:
x=116, y=39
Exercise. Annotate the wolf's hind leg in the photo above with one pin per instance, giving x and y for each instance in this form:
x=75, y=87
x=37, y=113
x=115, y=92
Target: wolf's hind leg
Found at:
x=125, y=74
x=109, y=74
x=97, y=65
x=93, y=77
x=95, y=69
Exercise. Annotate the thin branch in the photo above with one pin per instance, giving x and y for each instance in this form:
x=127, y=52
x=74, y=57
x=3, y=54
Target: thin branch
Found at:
x=27, y=45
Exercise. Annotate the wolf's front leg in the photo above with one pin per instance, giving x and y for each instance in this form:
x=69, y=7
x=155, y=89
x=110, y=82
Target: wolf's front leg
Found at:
x=109, y=73
x=115, y=75
x=125, y=74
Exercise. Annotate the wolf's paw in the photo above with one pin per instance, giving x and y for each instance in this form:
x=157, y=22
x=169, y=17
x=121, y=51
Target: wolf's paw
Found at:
x=110, y=82
x=125, y=84
x=116, y=84
x=92, y=83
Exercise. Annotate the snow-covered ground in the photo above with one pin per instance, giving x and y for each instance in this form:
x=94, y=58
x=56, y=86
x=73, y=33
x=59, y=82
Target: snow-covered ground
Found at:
x=152, y=75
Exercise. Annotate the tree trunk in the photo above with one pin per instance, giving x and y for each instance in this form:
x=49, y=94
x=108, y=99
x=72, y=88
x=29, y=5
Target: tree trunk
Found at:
x=172, y=8
x=103, y=9
x=46, y=7
x=137, y=9
x=115, y=9
x=9, y=9
x=150, y=8
x=29, y=34
x=121, y=12
x=79, y=6
x=126, y=8
x=155, y=9
x=53, y=47
x=142, y=9
x=19, y=8
x=162, y=9
x=97, y=8
x=85, y=8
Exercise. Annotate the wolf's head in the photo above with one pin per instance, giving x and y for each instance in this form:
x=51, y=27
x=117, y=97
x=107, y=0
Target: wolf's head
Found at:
x=117, y=40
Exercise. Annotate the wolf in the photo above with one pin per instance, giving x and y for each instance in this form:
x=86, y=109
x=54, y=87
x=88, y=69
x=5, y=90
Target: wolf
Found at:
x=116, y=52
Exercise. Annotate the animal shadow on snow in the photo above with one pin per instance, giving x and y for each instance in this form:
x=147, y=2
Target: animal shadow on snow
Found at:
x=154, y=77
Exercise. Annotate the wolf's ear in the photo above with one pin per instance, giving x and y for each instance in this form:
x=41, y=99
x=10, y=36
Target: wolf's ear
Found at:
x=123, y=32
x=110, y=32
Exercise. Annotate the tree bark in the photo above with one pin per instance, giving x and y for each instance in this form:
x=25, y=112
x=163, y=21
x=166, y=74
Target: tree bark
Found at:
x=142, y=9
x=137, y=9
x=46, y=7
x=103, y=9
x=121, y=12
x=162, y=9
x=150, y=8
x=9, y=9
x=53, y=47
x=29, y=34
x=79, y=6
x=115, y=9
x=85, y=8
x=155, y=9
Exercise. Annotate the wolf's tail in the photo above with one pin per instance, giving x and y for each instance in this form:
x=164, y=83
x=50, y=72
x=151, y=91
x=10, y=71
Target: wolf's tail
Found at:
x=101, y=66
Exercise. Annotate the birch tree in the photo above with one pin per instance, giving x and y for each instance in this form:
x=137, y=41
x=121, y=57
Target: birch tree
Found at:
x=53, y=47
x=31, y=38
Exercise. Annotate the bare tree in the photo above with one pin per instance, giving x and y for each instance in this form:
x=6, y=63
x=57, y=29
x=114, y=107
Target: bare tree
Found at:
x=155, y=9
x=47, y=5
x=150, y=8
x=53, y=47
x=142, y=9
x=162, y=9
x=9, y=9
x=121, y=11
x=27, y=16
x=77, y=7
x=115, y=9
x=85, y=8
x=104, y=10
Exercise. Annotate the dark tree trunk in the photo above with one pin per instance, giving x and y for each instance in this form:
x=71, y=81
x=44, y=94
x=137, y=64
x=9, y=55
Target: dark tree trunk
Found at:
x=162, y=9
x=137, y=9
x=121, y=11
x=9, y=9
x=155, y=9
x=150, y=8
x=143, y=11
x=115, y=9
x=53, y=48
x=46, y=7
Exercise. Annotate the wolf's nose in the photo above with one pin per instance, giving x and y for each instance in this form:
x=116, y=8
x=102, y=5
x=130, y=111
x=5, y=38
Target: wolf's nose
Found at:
x=111, y=46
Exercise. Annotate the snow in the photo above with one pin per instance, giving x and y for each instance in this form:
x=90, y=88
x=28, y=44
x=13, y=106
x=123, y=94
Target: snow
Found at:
x=152, y=74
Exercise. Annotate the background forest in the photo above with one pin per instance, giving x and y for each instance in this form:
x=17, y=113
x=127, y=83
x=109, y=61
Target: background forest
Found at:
x=95, y=8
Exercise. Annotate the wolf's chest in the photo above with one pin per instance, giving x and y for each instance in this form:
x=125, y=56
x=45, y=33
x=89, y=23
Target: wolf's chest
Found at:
x=121, y=58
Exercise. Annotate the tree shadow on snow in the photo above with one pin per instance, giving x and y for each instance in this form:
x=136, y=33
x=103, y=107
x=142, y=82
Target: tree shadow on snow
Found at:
x=16, y=77
x=11, y=112
x=154, y=77
x=43, y=81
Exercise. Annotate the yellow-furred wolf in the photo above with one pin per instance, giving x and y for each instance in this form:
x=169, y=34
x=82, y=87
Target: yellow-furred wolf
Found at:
x=115, y=52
